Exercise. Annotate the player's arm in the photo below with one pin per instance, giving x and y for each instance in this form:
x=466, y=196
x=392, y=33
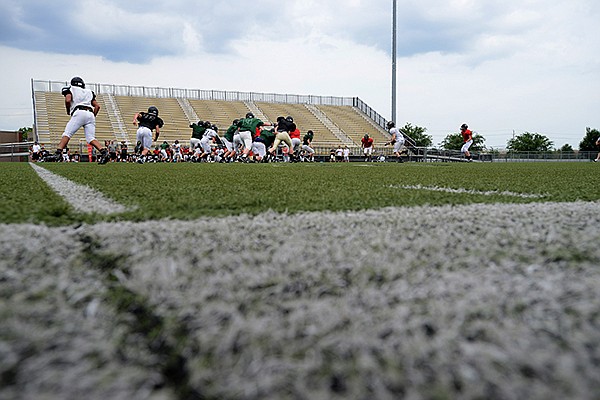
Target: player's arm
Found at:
x=96, y=106
x=135, y=118
x=68, y=100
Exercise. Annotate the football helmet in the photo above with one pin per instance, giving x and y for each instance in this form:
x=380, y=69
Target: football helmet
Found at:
x=391, y=124
x=289, y=118
x=249, y=115
x=153, y=110
x=464, y=127
x=77, y=81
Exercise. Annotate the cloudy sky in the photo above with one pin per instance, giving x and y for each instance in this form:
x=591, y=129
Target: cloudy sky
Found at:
x=498, y=65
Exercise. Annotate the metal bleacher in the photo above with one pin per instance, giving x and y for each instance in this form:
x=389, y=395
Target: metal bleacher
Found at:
x=219, y=112
x=334, y=120
x=354, y=124
x=176, y=124
x=303, y=118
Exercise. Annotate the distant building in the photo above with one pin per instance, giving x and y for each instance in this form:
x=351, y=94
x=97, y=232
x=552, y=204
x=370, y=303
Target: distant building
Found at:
x=10, y=152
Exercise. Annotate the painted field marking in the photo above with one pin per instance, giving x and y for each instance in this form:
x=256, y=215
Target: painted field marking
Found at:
x=82, y=198
x=470, y=191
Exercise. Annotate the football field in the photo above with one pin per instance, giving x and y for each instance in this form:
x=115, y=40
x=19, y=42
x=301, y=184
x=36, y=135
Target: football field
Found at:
x=300, y=281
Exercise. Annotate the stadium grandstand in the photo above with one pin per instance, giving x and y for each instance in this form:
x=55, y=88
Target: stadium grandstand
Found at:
x=336, y=121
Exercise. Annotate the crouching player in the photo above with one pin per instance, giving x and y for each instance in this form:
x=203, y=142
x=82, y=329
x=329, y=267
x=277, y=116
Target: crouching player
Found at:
x=309, y=152
x=261, y=142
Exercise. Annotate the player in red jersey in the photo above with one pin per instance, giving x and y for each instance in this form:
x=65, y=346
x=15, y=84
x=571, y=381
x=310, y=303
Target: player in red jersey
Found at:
x=468, y=139
x=367, y=145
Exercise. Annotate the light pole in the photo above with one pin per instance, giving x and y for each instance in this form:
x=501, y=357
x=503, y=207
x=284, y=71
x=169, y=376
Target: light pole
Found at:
x=394, y=45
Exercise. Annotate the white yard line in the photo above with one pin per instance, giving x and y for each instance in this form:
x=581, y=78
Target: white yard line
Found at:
x=470, y=191
x=82, y=198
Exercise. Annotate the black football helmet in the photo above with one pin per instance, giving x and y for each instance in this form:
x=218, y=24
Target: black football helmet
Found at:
x=77, y=81
x=289, y=118
x=464, y=127
x=391, y=124
x=153, y=110
x=249, y=115
x=235, y=121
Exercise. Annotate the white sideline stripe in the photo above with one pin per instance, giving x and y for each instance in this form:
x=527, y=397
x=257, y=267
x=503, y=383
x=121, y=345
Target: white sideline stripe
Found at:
x=469, y=191
x=82, y=198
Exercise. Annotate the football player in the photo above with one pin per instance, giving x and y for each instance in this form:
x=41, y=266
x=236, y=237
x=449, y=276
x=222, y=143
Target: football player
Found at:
x=197, y=133
x=397, y=140
x=367, y=145
x=309, y=152
x=248, y=127
x=282, y=129
x=82, y=106
x=147, y=122
x=468, y=140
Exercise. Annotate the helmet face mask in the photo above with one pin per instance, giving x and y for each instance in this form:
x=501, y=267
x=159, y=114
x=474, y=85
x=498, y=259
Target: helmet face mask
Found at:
x=153, y=110
x=77, y=81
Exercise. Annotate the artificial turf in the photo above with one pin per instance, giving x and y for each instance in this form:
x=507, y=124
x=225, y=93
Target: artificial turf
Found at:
x=188, y=191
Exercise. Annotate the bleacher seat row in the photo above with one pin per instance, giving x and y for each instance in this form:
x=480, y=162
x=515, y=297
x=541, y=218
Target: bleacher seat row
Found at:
x=51, y=118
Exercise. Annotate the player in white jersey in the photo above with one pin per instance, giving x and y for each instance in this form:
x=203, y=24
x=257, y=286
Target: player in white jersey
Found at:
x=82, y=106
x=397, y=140
x=210, y=136
x=177, y=156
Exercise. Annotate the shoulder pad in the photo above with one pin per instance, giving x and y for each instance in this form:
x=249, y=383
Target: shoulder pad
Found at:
x=66, y=90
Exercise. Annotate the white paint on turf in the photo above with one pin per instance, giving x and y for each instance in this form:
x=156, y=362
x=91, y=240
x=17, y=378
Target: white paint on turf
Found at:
x=82, y=198
x=470, y=191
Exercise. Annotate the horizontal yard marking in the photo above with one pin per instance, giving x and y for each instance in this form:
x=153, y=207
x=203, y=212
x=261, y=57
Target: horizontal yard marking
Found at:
x=82, y=198
x=470, y=191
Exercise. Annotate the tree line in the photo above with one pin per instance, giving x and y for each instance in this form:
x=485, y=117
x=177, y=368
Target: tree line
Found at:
x=527, y=141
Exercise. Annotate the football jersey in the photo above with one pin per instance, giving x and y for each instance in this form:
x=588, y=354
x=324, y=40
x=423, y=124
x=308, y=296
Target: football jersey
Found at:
x=467, y=135
x=149, y=121
x=79, y=97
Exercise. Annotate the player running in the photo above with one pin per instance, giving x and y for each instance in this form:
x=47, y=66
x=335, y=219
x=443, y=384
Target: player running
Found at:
x=397, y=140
x=82, y=106
x=468, y=139
x=146, y=123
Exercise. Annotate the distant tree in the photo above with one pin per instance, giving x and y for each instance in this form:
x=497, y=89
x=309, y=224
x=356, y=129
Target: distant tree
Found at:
x=589, y=141
x=528, y=141
x=418, y=134
x=566, y=148
x=454, y=141
x=25, y=133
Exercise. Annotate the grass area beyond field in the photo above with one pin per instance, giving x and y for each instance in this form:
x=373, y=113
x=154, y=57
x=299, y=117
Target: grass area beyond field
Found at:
x=187, y=191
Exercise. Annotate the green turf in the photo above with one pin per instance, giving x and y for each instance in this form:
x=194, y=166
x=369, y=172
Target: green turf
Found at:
x=24, y=197
x=185, y=191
